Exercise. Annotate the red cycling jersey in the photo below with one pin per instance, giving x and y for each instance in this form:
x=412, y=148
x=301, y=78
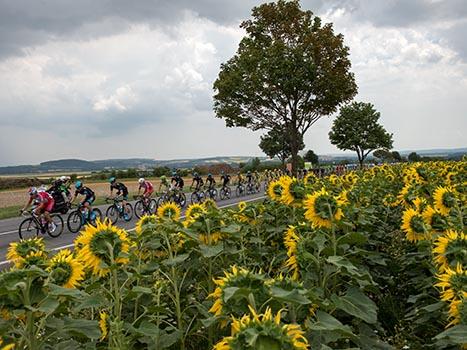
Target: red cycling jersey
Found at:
x=148, y=188
x=45, y=200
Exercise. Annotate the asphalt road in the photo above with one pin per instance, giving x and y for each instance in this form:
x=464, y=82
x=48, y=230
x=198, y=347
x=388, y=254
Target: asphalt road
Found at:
x=9, y=227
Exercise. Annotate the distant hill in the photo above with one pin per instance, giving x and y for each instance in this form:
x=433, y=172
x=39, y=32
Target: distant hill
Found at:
x=79, y=165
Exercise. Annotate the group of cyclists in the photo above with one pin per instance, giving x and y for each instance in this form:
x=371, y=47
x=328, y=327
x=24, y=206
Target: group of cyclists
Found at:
x=59, y=196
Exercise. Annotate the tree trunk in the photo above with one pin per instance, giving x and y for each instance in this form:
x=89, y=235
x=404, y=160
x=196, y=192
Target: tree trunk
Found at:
x=293, y=132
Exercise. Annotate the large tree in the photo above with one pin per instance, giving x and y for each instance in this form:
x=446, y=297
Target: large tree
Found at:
x=276, y=143
x=311, y=157
x=357, y=129
x=289, y=71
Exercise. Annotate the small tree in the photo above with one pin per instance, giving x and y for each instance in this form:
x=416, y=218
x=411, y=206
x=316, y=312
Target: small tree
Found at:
x=414, y=157
x=277, y=143
x=357, y=129
x=311, y=157
x=396, y=156
x=383, y=154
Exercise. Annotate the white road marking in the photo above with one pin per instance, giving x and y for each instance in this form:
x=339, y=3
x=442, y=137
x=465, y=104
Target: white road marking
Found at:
x=182, y=217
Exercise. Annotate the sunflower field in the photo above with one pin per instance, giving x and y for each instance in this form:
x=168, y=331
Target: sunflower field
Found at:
x=375, y=259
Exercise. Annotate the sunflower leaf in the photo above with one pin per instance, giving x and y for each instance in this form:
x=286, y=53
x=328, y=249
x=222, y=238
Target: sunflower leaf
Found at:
x=357, y=304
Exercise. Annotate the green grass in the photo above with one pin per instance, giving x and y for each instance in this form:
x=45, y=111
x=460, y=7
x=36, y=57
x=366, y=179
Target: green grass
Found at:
x=10, y=212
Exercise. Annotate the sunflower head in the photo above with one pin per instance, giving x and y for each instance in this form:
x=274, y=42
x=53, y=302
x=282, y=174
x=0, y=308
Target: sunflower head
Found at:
x=444, y=200
x=434, y=219
x=104, y=324
x=169, y=211
x=292, y=192
x=413, y=225
x=34, y=258
x=275, y=190
x=144, y=222
x=291, y=239
x=101, y=246
x=194, y=210
x=18, y=251
x=322, y=209
x=263, y=331
x=450, y=249
x=244, y=280
x=242, y=206
x=310, y=179
x=210, y=204
x=452, y=283
x=65, y=270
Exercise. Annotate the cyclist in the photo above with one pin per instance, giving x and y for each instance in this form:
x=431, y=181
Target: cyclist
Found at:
x=45, y=204
x=165, y=183
x=89, y=197
x=121, y=189
x=240, y=179
x=210, y=182
x=225, y=178
x=198, y=180
x=249, y=178
x=148, y=188
x=177, y=181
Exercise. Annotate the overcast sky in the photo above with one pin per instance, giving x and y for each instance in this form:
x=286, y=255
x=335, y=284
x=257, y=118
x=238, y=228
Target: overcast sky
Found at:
x=115, y=79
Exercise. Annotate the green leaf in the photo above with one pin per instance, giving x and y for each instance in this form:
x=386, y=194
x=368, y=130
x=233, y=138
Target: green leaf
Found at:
x=141, y=290
x=66, y=292
x=48, y=305
x=177, y=260
x=91, y=301
x=229, y=292
x=453, y=335
x=326, y=322
x=292, y=296
x=209, y=251
x=357, y=304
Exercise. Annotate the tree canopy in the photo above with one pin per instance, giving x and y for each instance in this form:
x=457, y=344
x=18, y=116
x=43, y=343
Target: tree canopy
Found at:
x=357, y=129
x=289, y=71
x=311, y=157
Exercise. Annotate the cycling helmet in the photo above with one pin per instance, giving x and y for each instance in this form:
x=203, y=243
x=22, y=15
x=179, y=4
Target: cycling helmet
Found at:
x=222, y=172
x=195, y=174
x=141, y=180
x=112, y=179
x=163, y=178
x=174, y=173
x=63, y=178
x=32, y=191
x=249, y=172
x=209, y=175
x=78, y=184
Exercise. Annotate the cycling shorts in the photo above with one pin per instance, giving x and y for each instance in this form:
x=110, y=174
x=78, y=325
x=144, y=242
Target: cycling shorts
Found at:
x=89, y=200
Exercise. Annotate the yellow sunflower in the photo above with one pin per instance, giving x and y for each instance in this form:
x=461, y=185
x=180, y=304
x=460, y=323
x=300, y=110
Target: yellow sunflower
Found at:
x=144, y=220
x=292, y=192
x=242, y=206
x=65, y=270
x=169, y=210
x=434, y=218
x=290, y=240
x=413, y=225
x=210, y=239
x=263, y=331
x=444, y=200
x=17, y=251
x=322, y=209
x=453, y=283
x=310, y=178
x=450, y=249
x=103, y=324
x=457, y=312
x=275, y=190
x=193, y=211
x=93, y=246
x=34, y=258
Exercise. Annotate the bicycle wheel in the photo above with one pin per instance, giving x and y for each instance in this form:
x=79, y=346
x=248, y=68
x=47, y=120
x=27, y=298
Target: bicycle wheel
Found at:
x=214, y=194
x=96, y=215
x=152, y=207
x=162, y=199
x=58, y=221
x=195, y=198
x=182, y=199
x=28, y=229
x=227, y=193
x=128, y=212
x=112, y=213
x=222, y=194
x=74, y=221
x=139, y=209
x=238, y=191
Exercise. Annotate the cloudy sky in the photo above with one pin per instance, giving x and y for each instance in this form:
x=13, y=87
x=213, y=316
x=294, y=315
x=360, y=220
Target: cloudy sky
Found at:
x=114, y=78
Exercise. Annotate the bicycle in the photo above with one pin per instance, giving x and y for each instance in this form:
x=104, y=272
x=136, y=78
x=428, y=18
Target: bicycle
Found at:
x=79, y=217
x=224, y=192
x=240, y=190
x=197, y=196
x=211, y=193
x=173, y=195
x=144, y=206
x=250, y=188
x=117, y=210
x=35, y=224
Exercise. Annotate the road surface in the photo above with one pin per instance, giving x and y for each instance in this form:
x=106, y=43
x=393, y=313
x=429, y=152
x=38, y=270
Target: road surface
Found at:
x=9, y=227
